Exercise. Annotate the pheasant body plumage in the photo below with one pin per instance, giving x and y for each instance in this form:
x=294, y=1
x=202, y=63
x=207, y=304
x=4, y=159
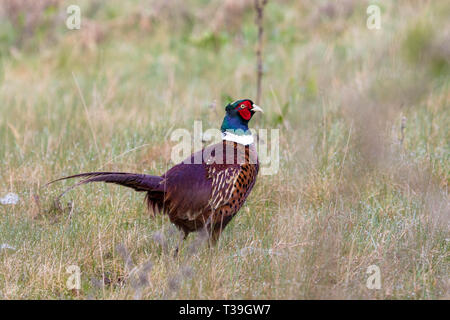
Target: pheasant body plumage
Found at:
x=202, y=195
x=220, y=190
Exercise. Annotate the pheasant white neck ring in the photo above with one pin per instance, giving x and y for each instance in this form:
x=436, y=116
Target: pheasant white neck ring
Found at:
x=246, y=139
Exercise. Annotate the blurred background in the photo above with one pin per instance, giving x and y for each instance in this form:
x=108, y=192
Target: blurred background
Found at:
x=364, y=145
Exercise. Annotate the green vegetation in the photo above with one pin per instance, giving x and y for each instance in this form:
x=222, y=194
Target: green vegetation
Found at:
x=364, y=147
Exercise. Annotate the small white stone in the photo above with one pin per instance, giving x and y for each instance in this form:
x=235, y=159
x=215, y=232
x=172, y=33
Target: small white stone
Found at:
x=6, y=246
x=10, y=198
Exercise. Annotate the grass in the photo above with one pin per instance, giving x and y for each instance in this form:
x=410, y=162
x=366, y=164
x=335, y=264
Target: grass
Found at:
x=348, y=193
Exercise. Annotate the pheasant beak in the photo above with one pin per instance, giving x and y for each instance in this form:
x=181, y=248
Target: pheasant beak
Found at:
x=256, y=108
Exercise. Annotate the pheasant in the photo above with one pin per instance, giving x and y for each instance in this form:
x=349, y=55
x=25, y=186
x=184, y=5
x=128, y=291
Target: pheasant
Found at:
x=206, y=190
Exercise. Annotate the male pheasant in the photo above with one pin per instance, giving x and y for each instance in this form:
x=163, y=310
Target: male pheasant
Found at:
x=200, y=194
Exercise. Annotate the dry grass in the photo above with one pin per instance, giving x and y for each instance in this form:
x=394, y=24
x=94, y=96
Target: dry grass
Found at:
x=355, y=186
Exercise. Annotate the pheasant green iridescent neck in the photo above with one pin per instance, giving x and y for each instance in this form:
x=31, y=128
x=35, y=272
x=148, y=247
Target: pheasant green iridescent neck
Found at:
x=235, y=125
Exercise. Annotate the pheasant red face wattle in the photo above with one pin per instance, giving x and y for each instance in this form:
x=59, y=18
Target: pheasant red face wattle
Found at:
x=245, y=114
x=244, y=110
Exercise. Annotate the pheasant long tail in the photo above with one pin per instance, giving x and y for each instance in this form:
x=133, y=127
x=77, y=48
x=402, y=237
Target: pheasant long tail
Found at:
x=138, y=182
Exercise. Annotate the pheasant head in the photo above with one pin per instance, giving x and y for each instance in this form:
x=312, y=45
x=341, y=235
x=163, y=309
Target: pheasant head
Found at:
x=238, y=114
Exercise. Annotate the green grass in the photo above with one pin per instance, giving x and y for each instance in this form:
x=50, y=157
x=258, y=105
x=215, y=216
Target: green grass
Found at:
x=348, y=194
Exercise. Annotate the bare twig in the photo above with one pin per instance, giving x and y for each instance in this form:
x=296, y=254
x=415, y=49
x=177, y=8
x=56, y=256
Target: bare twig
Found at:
x=259, y=7
x=402, y=130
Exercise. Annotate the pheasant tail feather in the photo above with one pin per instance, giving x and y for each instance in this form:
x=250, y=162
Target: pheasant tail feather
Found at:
x=138, y=182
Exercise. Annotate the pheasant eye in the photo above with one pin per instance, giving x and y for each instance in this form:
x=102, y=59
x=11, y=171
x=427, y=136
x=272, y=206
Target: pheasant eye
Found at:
x=242, y=106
